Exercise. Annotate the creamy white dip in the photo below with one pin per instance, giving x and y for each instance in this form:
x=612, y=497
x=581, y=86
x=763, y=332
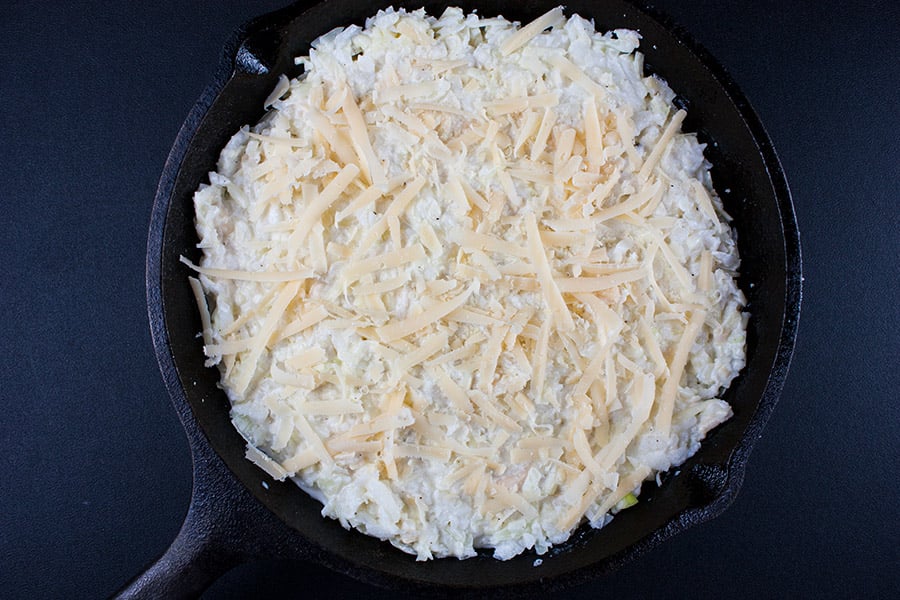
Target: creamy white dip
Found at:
x=469, y=284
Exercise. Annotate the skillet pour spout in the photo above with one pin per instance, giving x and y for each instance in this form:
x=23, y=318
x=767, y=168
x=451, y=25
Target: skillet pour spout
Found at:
x=238, y=512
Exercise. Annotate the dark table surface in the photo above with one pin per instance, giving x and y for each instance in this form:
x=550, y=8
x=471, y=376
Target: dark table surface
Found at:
x=96, y=472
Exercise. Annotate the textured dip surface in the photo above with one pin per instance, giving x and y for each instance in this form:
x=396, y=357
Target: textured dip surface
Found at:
x=468, y=283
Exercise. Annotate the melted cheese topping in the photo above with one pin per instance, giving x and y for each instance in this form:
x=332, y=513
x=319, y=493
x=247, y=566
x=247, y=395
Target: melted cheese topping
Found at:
x=466, y=282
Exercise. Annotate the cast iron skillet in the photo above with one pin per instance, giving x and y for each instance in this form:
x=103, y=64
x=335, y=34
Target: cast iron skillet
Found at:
x=238, y=512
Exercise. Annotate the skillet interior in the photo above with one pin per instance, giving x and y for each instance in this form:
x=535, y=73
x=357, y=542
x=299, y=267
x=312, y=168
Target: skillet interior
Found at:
x=759, y=200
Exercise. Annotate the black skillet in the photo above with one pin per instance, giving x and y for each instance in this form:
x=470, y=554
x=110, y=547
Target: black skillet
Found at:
x=237, y=512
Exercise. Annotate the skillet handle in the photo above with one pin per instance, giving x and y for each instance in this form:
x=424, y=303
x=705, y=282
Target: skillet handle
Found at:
x=191, y=563
x=225, y=525
x=214, y=536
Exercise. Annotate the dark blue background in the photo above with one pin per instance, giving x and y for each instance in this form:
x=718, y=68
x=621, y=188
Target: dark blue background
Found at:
x=96, y=472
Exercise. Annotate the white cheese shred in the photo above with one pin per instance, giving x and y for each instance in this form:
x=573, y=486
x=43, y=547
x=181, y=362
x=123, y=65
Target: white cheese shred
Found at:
x=524, y=35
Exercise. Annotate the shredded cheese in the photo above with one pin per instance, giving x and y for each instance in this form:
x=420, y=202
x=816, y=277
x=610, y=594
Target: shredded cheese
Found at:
x=554, y=299
x=263, y=276
x=570, y=70
x=359, y=134
x=412, y=324
x=676, y=369
x=662, y=144
x=524, y=35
